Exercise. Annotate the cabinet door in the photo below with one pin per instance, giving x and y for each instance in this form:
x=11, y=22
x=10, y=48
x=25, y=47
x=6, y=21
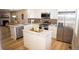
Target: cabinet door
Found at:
x=34, y=13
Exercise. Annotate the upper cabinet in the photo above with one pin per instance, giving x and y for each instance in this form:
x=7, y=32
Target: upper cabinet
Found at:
x=36, y=13
x=53, y=13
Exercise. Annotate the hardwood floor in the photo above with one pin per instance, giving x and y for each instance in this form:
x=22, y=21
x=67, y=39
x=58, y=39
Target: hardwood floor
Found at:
x=58, y=45
x=10, y=44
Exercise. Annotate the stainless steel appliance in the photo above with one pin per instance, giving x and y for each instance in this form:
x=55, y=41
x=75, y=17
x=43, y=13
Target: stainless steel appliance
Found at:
x=66, y=25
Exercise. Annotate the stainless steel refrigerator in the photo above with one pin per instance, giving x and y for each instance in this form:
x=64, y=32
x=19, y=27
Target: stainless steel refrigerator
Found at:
x=66, y=24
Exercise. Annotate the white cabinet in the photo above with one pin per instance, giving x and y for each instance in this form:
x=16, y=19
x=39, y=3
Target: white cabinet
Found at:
x=30, y=13
x=36, y=13
x=53, y=13
x=53, y=29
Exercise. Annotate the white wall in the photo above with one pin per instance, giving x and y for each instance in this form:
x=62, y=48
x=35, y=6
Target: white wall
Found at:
x=19, y=16
x=77, y=22
x=36, y=13
x=75, y=41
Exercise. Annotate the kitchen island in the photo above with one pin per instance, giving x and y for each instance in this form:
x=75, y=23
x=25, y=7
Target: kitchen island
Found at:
x=37, y=40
